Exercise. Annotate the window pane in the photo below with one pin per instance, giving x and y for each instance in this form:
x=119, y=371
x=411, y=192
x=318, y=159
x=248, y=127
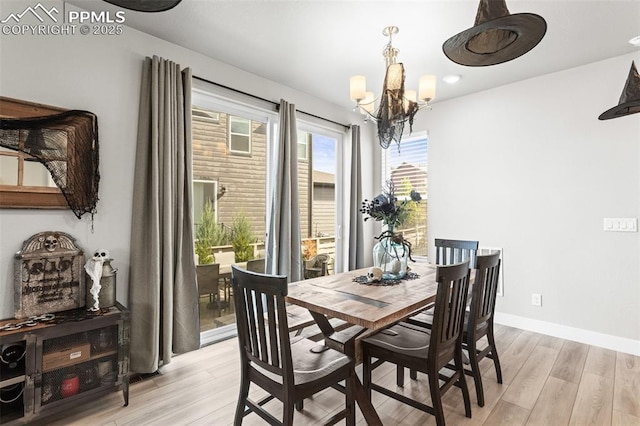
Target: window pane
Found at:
x=303, y=145
x=317, y=192
x=240, y=143
x=239, y=125
x=35, y=174
x=203, y=192
x=239, y=134
x=407, y=170
x=236, y=187
x=8, y=170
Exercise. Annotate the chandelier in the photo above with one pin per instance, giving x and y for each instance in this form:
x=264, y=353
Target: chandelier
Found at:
x=396, y=106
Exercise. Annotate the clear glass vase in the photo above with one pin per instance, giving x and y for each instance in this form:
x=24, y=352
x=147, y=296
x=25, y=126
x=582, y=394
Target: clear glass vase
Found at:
x=391, y=256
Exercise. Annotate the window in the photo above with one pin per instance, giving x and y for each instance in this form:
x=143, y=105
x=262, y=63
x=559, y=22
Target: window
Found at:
x=204, y=191
x=317, y=193
x=198, y=114
x=303, y=145
x=407, y=169
x=239, y=135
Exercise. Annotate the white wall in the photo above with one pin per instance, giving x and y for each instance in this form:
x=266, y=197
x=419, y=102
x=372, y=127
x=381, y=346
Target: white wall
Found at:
x=528, y=167
x=101, y=74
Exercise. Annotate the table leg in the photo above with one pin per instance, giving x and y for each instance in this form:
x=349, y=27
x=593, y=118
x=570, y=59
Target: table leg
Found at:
x=344, y=341
x=323, y=323
x=362, y=398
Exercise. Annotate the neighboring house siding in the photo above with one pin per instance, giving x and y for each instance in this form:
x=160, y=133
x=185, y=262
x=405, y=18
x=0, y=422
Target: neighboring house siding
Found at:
x=416, y=177
x=418, y=181
x=242, y=175
x=324, y=210
x=303, y=191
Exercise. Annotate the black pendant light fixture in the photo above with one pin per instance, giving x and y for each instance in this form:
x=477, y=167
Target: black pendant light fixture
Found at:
x=496, y=37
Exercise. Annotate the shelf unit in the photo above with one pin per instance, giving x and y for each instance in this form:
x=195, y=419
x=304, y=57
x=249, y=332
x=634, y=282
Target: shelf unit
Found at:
x=74, y=360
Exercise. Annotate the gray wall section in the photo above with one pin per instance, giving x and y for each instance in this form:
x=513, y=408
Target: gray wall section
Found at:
x=529, y=168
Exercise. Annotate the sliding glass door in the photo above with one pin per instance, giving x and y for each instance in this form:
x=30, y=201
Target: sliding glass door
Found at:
x=229, y=184
x=232, y=144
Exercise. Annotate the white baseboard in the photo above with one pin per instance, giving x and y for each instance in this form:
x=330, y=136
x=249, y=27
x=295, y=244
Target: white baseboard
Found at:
x=620, y=344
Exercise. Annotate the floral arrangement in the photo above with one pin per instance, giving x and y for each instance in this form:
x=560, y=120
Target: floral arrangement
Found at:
x=386, y=207
x=392, y=212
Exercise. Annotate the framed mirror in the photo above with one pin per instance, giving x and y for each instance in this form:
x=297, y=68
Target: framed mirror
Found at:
x=48, y=157
x=24, y=181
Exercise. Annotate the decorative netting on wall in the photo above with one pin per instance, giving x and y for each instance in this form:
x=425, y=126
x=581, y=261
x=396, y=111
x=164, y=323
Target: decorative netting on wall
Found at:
x=67, y=145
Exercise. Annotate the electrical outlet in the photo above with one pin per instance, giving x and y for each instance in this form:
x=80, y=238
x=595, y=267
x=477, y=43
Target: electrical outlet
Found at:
x=536, y=299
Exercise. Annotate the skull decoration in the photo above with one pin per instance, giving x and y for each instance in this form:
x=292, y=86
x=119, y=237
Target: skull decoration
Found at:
x=51, y=242
x=101, y=254
x=374, y=275
x=94, y=270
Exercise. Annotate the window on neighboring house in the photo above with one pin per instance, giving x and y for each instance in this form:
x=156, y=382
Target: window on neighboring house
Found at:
x=204, y=191
x=407, y=169
x=303, y=145
x=202, y=115
x=239, y=135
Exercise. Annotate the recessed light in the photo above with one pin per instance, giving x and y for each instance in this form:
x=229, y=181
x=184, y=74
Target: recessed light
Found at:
x=451, y=78
x=635, y=41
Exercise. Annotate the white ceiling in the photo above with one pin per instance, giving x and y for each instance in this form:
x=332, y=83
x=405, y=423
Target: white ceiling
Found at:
x=315, y=46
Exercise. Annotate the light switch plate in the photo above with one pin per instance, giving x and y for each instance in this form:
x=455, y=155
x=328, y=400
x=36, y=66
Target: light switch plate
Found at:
x=621, y=224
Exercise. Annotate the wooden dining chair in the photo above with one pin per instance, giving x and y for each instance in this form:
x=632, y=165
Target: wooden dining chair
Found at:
x=289, y=370
x=478, y=321
x=209, y=282
x=449, y=252
x=424, y=350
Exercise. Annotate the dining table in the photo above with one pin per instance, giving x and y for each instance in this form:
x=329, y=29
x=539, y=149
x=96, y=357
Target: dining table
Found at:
x=368, y=306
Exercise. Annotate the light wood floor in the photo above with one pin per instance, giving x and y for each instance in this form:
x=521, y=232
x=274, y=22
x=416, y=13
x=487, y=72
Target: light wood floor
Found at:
x=547, y=381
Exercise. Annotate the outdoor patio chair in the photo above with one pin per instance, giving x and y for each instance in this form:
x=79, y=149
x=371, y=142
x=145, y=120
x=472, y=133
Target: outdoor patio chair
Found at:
x=209, y=282
x=317, y=266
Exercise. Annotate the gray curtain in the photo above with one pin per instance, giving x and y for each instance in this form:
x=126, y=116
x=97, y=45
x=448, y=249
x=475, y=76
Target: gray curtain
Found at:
x=163, y=294
x=284, y=252
x=356, y=239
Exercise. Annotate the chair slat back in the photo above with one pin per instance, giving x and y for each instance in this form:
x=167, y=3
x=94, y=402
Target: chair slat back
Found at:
x=265, y=343
x=448, y=315
x=449, y=252
x=483, y=293
x=208, y=277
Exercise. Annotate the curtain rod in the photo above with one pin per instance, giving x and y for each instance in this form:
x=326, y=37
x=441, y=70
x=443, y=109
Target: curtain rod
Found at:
x=277, y=104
